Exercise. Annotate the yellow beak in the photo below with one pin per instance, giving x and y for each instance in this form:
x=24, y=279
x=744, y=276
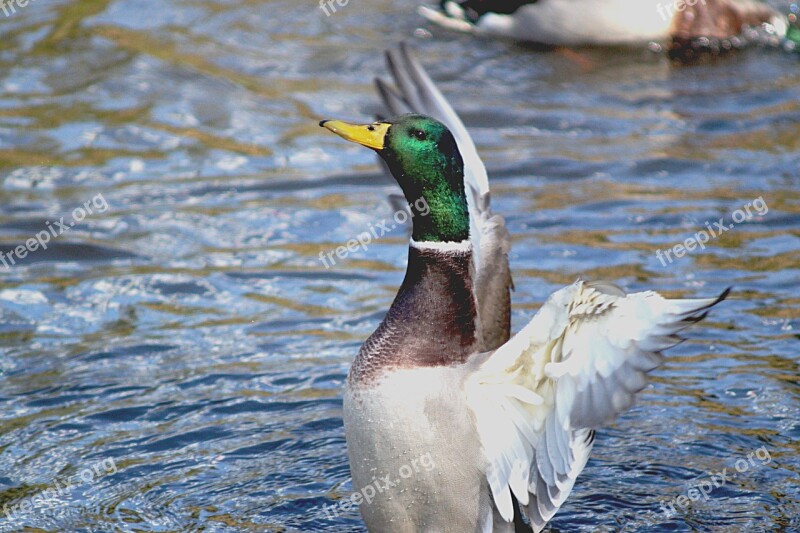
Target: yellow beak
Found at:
x=369, y=135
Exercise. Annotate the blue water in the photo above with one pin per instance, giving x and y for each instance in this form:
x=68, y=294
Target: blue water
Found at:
x=175, y=360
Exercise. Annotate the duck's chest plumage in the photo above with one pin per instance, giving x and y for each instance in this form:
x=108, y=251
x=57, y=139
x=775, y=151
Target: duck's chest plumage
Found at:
x=405, y=413
x=413, y=446
x=432, y=321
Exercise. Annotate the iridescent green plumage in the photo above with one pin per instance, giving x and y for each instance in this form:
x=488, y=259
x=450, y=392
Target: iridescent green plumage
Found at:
x=423, y=157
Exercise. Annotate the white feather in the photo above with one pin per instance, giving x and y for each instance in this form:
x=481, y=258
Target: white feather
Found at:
x=581, y=360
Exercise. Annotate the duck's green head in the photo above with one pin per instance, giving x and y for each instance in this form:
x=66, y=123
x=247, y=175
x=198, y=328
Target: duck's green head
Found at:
x=424, y=159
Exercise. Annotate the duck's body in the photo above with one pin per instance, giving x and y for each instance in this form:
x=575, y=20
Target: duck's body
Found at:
x=405, y=400
x=451, y=426
x=406, y=417
x=605, y=22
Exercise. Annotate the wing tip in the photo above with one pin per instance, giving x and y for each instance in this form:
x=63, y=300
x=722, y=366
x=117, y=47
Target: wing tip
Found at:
x=692, y=315
x=724, y=294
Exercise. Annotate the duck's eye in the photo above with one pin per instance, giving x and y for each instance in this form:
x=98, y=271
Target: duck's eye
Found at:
x=419, y=135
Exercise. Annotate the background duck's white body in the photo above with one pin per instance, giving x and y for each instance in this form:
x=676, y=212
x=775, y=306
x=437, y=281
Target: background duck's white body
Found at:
x=576, y=22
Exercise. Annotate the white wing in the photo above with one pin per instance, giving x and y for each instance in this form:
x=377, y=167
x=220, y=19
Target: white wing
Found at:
x=415, y=92
x=574, y=367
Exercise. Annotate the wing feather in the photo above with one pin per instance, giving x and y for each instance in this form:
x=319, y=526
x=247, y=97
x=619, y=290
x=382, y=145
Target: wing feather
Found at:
x=582, y=359
x=394, y=102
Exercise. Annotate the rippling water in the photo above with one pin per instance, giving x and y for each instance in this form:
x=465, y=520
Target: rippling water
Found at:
x=174, y=361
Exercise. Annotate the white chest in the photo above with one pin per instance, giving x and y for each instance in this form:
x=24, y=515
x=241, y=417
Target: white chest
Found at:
x=413, y=448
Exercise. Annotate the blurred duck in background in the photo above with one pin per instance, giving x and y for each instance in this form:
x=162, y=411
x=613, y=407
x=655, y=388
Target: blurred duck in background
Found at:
x=676, y=23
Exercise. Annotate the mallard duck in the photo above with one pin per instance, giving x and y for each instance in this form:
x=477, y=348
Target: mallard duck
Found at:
x=606, y=22
x=506, y=423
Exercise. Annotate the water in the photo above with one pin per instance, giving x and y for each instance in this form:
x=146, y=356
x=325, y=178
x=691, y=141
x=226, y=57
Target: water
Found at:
x=174, y=362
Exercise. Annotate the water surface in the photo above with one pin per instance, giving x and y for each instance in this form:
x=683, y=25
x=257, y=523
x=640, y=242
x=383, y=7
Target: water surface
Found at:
x=177, y=357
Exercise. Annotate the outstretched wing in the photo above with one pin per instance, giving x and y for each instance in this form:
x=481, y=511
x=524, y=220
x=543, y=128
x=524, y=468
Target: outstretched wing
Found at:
x=415, y=92
x=574, y=367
